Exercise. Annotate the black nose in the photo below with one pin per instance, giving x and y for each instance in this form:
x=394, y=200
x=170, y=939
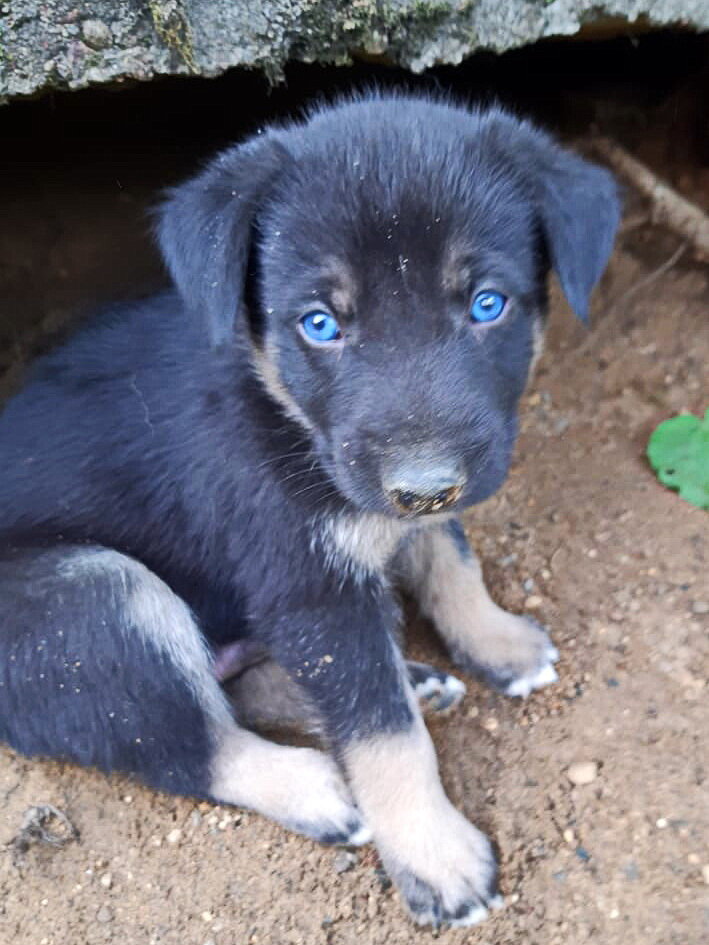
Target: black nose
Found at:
x=420, y=490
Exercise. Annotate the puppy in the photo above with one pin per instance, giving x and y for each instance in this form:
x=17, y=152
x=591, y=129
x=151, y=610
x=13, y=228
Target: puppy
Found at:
x=235, y=475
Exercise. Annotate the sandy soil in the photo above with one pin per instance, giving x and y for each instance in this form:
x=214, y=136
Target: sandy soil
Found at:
x=583, y=537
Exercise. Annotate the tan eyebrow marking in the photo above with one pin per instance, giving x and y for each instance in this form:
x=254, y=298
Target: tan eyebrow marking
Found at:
x=343, y=291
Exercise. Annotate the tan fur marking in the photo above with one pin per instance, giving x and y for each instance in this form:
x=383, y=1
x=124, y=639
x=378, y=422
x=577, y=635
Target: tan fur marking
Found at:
x=343, y=292
x=418, y=832
x=159, y=616
x=299, y=787
x=265, y=363
x=451, y=593
x=538, y=338
x=456, y=275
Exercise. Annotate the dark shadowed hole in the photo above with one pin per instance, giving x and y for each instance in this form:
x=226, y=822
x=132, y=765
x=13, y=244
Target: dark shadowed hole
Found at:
x=80, y=170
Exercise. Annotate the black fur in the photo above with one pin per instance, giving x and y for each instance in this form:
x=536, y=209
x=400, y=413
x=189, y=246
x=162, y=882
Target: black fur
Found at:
x=152, y=433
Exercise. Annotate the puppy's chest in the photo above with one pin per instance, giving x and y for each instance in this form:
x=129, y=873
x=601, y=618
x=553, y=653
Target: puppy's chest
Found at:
x=362, y=545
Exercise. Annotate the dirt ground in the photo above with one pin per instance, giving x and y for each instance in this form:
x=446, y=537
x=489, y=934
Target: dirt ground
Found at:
x=582, y=536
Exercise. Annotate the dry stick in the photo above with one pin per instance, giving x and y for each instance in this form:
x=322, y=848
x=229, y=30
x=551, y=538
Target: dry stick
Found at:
x=636, y=287
x=668, y=207
x=652, y=276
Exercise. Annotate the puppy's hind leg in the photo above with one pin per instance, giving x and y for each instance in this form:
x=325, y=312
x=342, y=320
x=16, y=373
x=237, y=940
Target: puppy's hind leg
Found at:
x=265, y=696
x=102, y=664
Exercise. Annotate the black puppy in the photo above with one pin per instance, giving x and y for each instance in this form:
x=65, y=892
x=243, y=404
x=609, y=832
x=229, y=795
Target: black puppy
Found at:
x=247, y=464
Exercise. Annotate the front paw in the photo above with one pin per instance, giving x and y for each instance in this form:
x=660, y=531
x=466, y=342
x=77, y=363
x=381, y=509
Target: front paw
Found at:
x=448, y=879
x=512, y=654
x=436, y=690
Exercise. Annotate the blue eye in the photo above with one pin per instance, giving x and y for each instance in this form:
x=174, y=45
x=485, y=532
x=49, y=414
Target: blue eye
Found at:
x=320, y=327
x=487, y=306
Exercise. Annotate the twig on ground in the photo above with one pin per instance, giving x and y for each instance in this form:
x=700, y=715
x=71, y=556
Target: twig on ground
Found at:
x=651, y=276
x=668, y=206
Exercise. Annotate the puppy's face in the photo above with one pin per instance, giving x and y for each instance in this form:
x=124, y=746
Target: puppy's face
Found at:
x=400, y=250
x=401, y=321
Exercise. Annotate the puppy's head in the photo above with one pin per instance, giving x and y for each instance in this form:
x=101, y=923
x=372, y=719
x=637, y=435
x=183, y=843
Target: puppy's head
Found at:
x=396, y=252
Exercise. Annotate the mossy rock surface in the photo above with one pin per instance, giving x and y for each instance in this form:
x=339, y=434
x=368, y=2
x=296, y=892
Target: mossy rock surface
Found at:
x=46, y=44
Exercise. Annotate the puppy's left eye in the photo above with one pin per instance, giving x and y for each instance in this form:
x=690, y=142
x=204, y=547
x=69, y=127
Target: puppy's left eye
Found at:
x=487, y=306
x=320, y=327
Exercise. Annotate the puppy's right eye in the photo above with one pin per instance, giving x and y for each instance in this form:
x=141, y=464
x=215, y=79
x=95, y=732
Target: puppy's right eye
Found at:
x=320, y=327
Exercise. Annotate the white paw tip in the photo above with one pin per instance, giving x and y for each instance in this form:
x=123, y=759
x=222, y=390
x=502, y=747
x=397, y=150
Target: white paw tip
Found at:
x=360, y=837
x=474, y=917
x=454, y=686
x=497, y=902
x=553, y=654
x=433, y=686
x=525, y=684
x=427, y=688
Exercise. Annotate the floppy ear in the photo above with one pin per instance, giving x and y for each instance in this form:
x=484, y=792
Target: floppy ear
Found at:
x=204, y=230
x=580, y=211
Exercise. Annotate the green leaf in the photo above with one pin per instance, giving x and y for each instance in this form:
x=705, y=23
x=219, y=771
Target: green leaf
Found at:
x=678, y=451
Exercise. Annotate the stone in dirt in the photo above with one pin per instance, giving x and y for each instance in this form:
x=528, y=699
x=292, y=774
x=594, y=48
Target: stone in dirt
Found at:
x=582, y=772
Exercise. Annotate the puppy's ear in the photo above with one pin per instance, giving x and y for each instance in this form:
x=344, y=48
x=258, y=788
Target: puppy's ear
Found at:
x=205, y=227
x=580, y=212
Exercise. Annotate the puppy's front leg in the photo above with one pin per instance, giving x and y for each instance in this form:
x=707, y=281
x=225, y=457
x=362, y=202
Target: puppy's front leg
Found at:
x=345, y=656
x=513, y=653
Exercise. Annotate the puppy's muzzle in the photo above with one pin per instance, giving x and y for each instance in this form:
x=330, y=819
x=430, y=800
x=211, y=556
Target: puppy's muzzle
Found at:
x=424, y=489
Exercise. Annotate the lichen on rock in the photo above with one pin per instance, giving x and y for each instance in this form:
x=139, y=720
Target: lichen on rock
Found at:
x=55, y=44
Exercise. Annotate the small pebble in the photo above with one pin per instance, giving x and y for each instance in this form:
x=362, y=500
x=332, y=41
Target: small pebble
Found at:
x=106, y=880
x=700, y=607
x=569, y=836
x=207, y=917
x=661, y=823
x=96, y=34
x=104, y=914
x=344, y=861
x=582, y=772
x=533, y=602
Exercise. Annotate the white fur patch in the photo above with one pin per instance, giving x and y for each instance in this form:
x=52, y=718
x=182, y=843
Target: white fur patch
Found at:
x=525, y=684
x=360, y=545
x=447, y=691
x=474, y=916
